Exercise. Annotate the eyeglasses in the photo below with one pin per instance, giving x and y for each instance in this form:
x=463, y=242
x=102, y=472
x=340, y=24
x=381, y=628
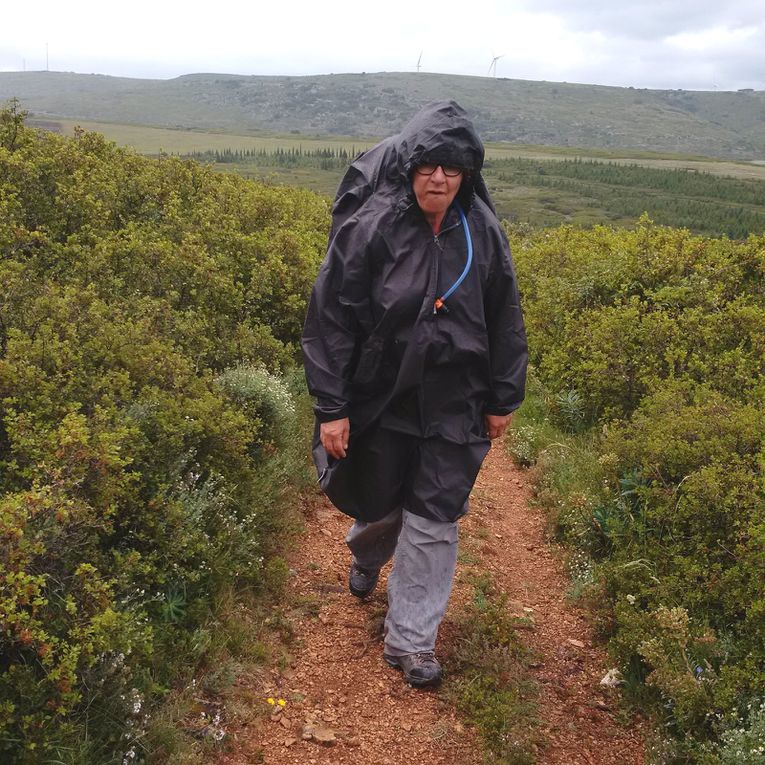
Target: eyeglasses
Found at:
x=448, y=170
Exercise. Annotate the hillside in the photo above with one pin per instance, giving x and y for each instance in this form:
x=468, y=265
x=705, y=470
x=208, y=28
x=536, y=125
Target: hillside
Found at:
x=724, y=124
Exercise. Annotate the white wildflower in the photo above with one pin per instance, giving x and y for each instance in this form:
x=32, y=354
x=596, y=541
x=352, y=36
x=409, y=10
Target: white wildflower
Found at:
x=612, y=678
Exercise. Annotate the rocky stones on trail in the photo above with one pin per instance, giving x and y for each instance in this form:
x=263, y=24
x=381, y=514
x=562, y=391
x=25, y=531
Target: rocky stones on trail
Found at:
x=319, y=734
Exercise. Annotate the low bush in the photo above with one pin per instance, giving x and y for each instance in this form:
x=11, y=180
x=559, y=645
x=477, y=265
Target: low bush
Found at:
x=149, y=317
x=492, y=689
x=658, y=338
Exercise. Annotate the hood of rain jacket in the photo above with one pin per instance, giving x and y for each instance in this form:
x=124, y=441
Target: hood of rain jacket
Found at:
x=439, y=133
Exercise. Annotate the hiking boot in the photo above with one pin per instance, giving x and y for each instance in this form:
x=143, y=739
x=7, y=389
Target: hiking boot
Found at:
x=361, y=581
x=420, y=669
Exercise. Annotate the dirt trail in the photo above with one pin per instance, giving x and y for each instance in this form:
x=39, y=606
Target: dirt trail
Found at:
x=339, y=684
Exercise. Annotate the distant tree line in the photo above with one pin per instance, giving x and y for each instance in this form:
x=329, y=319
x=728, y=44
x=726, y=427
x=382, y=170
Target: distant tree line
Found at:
x=326, y=158
x=680, y=181
x=700, y=201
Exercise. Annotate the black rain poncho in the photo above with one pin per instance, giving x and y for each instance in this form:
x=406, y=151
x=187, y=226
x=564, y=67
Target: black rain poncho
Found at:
x=376, y=350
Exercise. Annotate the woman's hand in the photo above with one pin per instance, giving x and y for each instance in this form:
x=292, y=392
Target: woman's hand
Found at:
x=497, y=424
x=334, y=436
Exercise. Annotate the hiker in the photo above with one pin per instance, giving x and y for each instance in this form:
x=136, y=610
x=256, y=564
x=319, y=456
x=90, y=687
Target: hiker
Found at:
x=415, y=351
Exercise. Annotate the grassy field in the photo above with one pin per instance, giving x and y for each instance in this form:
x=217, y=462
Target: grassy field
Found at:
x=152, y=140
x=536, y=185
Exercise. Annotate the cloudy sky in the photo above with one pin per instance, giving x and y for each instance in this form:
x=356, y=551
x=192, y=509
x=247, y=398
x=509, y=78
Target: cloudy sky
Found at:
x=692, y=44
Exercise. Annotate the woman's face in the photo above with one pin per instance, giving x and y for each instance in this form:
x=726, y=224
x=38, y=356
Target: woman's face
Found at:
x=435, y=192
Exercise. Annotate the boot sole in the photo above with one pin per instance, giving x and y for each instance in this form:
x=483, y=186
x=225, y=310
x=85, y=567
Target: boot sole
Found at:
x=361, y=594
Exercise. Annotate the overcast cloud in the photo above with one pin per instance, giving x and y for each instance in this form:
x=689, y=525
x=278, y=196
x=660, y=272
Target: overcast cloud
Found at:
x=692, y=44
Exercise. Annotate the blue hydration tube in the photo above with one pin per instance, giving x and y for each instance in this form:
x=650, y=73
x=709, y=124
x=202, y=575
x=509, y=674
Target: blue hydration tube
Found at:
x=441, y=302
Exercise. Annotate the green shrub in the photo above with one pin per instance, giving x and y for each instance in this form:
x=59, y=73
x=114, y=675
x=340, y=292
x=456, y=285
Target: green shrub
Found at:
x=149, y=310
x=658, y=338
x=533, y=429
x=265, y=397
x=610, y=314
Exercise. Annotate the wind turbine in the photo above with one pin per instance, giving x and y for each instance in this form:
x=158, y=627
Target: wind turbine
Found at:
x=418, y=61
x=493, y=65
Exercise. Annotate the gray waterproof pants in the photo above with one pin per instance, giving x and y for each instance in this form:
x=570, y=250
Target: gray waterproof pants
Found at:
x=421, y=580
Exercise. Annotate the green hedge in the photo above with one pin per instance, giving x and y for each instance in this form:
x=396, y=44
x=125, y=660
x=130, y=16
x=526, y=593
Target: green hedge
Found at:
x=148, y=309
x=652, y=341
